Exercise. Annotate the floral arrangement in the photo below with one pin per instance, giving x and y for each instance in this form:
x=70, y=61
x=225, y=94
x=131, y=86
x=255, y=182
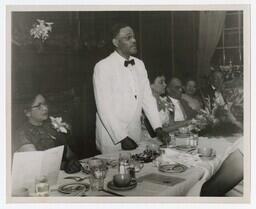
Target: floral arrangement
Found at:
x=215, y=114
x=41, y=29
x=229, y=71
x=59, y=125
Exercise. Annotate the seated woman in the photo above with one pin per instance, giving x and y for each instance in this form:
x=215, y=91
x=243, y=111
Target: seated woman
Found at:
x=190, y=97
x=39, y=134
x=158, y=87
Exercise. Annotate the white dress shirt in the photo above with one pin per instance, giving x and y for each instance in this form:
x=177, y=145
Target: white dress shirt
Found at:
x=179, y=114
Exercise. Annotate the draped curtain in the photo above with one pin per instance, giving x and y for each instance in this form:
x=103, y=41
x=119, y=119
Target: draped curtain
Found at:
x=211, y=25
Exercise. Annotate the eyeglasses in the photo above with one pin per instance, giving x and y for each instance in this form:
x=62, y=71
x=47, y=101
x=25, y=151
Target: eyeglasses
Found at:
x=40, y=106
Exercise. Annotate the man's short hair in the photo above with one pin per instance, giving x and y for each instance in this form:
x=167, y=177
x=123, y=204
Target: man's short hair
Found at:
x=116, y=28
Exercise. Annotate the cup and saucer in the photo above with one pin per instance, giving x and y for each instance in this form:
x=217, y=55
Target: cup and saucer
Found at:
x=206, y=153
x=122, y=182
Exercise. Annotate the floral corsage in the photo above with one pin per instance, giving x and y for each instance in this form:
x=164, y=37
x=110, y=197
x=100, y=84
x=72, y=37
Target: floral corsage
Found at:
x=59, y=125
x=166, y=104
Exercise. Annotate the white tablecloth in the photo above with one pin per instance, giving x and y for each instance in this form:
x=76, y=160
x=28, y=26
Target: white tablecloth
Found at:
x=193, y=177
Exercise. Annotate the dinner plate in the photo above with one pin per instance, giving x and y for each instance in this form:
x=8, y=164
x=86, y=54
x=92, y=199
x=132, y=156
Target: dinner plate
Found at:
x=132, y=185
x=73, y=187
x=172, y=168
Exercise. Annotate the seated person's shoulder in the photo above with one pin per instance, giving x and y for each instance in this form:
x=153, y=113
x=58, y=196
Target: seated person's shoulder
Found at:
x=21, y=138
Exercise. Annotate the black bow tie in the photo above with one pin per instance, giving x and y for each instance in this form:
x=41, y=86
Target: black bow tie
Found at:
x=126, y=62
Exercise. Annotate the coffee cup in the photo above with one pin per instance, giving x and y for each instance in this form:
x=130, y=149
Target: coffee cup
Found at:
x=122, y=180
x=205, y=151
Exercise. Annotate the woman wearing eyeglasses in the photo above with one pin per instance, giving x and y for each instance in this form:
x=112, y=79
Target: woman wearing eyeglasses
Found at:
x=37, y=133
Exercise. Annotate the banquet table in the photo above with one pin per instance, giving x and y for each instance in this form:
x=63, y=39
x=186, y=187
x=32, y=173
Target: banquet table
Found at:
x=190, y=183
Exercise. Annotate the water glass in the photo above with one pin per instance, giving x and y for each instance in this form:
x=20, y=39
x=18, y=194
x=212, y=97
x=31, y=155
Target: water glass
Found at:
x=42, y=187
x=98, y=170
x=96, y=184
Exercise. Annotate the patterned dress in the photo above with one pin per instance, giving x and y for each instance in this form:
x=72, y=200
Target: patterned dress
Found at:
x=42, y=137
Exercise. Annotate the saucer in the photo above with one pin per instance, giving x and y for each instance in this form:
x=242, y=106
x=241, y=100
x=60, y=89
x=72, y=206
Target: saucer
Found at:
x=172, y=168
x=207, y=157
x=185, y=148
x=132, y=185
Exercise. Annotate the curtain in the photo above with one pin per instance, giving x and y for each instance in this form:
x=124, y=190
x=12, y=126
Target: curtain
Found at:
x=211, y=25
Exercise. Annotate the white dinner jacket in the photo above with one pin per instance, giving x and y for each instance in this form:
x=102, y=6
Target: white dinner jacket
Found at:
x=118, y=111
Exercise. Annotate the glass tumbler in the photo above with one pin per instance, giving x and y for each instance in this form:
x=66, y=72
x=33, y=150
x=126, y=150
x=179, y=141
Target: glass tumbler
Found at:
x=98, y=170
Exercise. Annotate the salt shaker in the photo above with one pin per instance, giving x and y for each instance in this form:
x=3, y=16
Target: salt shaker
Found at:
x=124, y=163
x=195, y=137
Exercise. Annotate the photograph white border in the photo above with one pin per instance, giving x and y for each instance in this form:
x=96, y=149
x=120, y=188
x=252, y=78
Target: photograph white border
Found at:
x=246, y=9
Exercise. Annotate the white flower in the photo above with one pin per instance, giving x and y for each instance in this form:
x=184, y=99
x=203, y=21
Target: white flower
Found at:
x=40, y=31
x=59, y=125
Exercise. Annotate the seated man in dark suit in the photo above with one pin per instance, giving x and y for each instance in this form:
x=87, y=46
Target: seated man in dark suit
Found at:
x=182, y=113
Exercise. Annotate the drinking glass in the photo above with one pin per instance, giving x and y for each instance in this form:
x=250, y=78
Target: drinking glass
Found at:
x=98, y=171
x=42, y=187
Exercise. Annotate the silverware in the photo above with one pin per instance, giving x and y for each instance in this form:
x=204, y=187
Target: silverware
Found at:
x=113, y=193
x=77, y=178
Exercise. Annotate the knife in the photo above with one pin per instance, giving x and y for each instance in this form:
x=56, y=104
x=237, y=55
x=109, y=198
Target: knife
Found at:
x=113, y=193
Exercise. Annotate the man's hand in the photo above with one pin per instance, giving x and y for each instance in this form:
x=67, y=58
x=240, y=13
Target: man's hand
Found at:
x=72, y=166
x=162, y=136
x=128, y=144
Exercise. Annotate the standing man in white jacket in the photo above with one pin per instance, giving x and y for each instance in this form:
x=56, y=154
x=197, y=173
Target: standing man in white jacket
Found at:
x=122, y=90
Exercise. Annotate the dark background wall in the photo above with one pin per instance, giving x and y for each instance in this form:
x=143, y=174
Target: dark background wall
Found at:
x=62, y=67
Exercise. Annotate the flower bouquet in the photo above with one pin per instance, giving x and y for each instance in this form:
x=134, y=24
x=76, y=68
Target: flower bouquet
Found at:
x=210, y=116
